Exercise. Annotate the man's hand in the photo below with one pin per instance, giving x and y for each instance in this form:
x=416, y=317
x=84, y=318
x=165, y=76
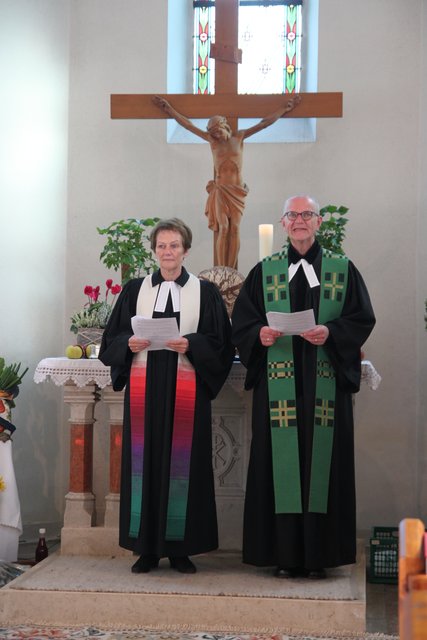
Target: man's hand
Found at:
x=163, y=104
x=268, y=336
x=292, y=103
x=316, y=336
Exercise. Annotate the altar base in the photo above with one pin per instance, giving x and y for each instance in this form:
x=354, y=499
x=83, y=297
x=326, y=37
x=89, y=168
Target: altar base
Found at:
x=223, y=596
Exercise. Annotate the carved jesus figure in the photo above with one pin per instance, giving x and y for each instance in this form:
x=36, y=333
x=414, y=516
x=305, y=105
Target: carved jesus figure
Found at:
x=227, y=191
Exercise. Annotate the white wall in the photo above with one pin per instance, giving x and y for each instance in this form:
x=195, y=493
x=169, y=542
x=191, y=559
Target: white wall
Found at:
x=373, y=160
x=33, y=190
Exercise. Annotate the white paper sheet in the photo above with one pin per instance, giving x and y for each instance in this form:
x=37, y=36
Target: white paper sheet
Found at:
x=157, y=330
x=291, y=324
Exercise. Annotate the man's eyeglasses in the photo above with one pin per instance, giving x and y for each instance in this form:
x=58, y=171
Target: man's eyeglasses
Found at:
x=305, y=215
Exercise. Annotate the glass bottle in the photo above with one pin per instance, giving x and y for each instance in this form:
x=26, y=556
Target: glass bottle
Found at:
x=41, y=551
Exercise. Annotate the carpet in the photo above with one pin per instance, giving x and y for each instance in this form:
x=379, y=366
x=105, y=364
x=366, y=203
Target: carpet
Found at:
x=219, y=574
x=55, y=633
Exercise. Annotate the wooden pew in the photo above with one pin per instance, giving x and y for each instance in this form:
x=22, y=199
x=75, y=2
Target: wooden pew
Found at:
x=412, y=581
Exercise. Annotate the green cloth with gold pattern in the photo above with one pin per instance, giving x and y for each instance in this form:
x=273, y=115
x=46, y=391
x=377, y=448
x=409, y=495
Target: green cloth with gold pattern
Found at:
x=281, y=387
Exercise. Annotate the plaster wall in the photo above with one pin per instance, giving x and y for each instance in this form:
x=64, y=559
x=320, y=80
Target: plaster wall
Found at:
x=33, y=204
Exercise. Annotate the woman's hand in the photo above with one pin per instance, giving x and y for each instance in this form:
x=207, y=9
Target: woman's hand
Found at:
x=138, y=344
x=268, y=336
x=316, y=336
x=180, y=345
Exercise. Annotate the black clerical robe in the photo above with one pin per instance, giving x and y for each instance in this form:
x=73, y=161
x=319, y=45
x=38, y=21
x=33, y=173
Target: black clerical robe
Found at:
x=211, y=354
x=307, y=540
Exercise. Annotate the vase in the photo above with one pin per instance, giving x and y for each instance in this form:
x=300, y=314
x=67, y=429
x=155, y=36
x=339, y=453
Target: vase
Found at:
x=91, y=335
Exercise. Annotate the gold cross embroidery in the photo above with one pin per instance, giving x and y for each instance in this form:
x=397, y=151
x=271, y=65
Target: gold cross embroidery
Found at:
x=324, y=413
x=276, y=287
x=283, y=413
x=334, y=286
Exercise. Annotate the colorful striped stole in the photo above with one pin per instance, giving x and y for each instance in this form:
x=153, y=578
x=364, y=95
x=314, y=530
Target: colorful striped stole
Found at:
x=185, y=397
x=281, y=387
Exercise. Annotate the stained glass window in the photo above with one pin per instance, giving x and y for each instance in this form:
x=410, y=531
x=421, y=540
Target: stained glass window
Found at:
x=270, y=38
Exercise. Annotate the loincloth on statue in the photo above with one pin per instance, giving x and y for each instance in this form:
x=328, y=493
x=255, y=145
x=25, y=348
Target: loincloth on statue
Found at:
x=228, y=199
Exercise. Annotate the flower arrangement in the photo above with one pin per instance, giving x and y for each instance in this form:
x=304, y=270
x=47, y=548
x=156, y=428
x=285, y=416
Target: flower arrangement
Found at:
x=95, y=312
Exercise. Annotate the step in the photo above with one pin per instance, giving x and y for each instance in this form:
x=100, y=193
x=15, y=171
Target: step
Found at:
x=223, y=596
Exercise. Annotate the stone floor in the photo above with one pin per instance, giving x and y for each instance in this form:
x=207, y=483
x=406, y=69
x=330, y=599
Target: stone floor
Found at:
x=382, y=609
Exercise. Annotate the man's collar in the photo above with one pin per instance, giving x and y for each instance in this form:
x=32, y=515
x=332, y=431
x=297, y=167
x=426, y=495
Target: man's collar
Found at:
x=310, y=256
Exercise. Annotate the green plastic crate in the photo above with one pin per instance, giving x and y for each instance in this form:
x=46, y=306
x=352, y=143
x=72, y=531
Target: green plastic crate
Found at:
x=384, y=555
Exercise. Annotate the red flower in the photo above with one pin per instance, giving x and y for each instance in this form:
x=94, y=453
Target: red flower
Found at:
x=115, y=289
x=88, y=290
x=108, y=283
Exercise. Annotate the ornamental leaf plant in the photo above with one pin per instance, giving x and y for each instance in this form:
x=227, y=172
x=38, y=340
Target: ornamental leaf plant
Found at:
x=332, y=231
x=10, y=377
x=127, y=247
x=95, y=312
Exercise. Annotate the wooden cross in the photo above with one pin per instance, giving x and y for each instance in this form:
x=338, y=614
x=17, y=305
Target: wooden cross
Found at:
x=226, y=101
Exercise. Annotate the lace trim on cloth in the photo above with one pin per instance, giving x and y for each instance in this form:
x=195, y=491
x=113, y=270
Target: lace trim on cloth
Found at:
x=370, y=375
x=81, y=372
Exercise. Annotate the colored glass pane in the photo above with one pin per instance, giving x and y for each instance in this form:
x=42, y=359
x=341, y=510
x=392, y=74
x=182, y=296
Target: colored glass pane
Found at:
x=270, y=39
x=203, y=65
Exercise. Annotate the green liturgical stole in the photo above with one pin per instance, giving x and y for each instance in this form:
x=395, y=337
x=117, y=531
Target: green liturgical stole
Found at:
x=281, y=387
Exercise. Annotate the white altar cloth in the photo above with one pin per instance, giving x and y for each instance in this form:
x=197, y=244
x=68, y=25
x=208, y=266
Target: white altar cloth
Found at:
x=85, y=371
x=80, y=371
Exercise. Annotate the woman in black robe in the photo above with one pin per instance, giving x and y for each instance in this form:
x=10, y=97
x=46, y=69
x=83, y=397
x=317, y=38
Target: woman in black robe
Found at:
x=208, y=348
x=302, y=544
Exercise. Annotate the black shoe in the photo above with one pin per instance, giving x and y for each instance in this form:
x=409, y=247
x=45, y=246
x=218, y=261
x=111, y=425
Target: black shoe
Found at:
x=281, y=572
x=317, y=574
x=182, y=564
x=144, y=564
x=296, y=572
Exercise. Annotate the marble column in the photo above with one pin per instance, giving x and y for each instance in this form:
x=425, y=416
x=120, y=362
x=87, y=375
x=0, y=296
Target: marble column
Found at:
x=80, y=500
x=114, y=401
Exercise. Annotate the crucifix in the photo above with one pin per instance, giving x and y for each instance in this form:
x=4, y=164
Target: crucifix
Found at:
x=226, y=191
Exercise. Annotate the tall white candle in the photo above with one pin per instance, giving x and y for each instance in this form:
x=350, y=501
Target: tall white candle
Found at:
x=265, y=240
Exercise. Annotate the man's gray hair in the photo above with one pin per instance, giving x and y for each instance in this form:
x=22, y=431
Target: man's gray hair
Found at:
x=316, y=206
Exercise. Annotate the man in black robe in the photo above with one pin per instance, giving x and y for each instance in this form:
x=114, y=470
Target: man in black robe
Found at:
x=308, y=536
x=207, y=350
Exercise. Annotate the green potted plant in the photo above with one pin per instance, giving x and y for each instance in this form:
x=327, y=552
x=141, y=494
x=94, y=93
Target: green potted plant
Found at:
x=127, y=247
x=332, y=230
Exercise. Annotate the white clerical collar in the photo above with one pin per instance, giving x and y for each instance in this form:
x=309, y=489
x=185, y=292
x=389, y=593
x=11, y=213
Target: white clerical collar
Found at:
x=310, y=273
x=166, y=287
